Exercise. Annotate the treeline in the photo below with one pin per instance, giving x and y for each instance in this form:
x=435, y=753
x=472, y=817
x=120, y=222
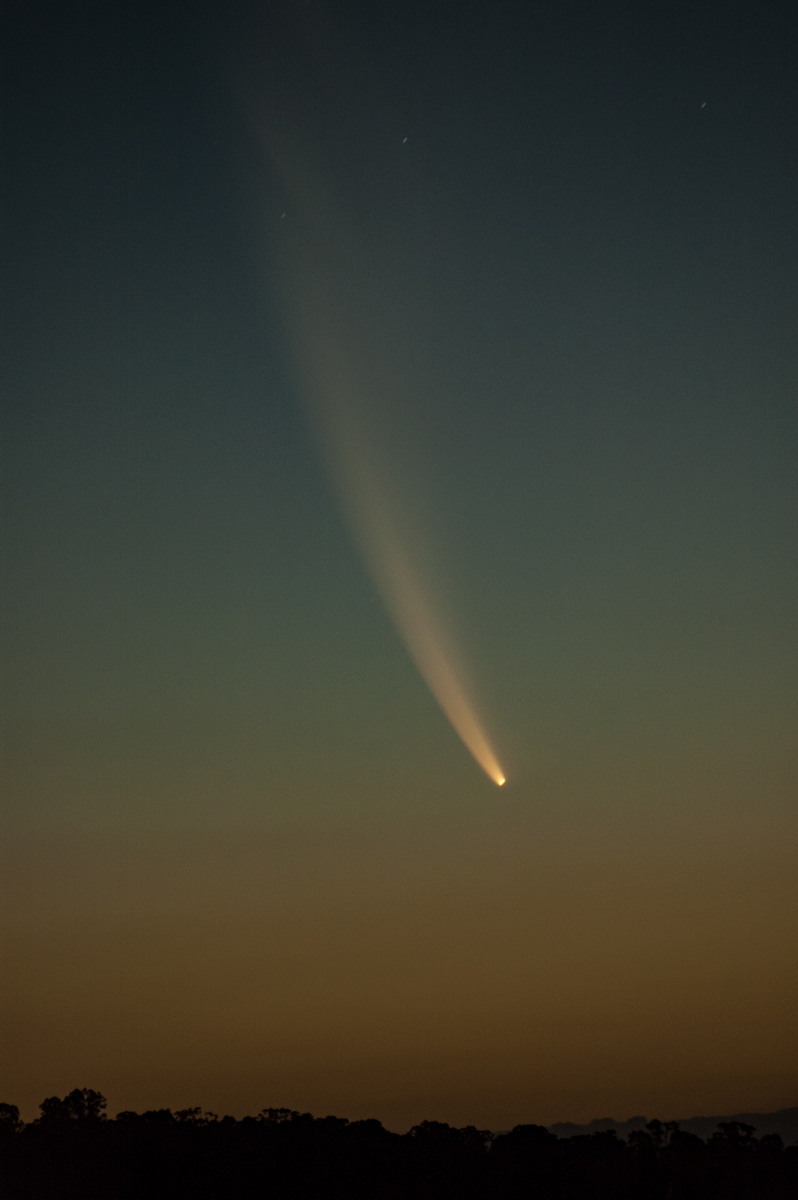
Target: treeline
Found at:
x=73, y=1151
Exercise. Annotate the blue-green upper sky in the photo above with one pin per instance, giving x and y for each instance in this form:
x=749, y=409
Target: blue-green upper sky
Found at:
x=550, y=250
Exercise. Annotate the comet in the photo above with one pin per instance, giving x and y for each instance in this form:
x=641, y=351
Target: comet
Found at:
x=336, y=391
x=345, y=375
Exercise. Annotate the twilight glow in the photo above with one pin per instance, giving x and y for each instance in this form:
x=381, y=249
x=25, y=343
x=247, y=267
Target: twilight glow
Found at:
x=526, y=271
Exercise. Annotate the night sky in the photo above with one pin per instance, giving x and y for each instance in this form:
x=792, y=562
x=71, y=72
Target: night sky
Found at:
x=508, y=285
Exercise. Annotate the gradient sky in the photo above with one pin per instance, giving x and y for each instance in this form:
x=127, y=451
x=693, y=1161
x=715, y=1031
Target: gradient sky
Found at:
x=544, y=257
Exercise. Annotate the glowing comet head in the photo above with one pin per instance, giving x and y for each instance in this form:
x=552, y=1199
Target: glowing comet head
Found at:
x=501, y=781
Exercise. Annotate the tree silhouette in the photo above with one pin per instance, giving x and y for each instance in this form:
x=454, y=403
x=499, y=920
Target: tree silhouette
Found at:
x=73, y=1152
x=82, y=1104
x=9, y=1118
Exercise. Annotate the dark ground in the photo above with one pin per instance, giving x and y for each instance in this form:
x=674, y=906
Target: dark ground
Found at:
x=73, y=1152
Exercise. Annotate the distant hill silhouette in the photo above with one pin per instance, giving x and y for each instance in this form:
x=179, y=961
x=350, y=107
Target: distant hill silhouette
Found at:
x=784, y=1122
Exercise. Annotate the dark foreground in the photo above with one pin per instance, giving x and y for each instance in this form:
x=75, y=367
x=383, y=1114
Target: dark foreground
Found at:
x=73, y=1152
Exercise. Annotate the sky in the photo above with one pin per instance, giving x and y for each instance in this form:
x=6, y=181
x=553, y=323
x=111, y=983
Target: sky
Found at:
x=355, y=356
